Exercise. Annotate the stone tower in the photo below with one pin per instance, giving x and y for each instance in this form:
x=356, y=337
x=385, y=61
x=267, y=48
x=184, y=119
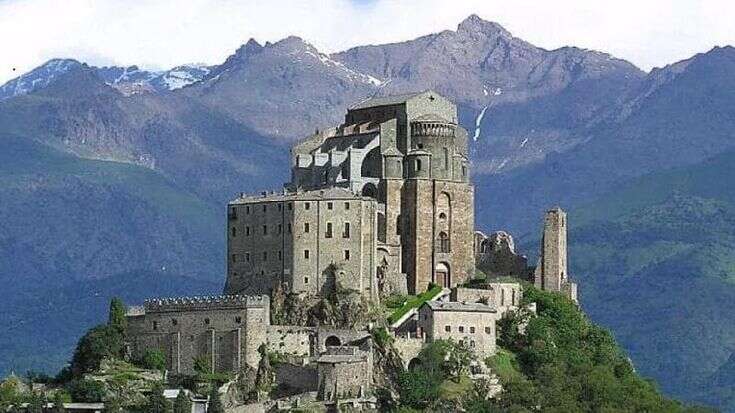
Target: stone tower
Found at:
x=551, y=272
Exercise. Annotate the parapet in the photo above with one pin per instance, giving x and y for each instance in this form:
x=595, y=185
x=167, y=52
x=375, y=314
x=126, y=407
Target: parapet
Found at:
x=200, y=303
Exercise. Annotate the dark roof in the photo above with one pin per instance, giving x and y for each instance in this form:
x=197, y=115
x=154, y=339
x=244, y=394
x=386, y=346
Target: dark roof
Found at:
x=386, y=100
x=460, y=307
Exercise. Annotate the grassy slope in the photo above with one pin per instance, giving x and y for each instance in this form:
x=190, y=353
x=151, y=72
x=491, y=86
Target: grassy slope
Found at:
x=74, y=232
x=656, y=263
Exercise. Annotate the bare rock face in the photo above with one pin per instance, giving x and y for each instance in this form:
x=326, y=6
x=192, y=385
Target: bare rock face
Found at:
x=497, y=257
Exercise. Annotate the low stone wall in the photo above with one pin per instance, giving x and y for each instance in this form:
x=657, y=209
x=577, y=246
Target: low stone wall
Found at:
x=295, y=379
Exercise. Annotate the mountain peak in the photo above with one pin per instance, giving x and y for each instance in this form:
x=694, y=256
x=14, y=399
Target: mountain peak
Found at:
x=252, y=46
x=474, y=23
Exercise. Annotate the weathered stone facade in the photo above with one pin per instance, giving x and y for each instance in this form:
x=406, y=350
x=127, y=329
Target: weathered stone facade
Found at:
x=471, y=323
x=551, y=272
x=403, y=162
x=495, y=255
x=503, y=296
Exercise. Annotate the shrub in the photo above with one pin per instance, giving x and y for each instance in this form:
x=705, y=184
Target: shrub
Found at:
x=116, y=317
x=86, y=391
x=156, y=402
x=153, y=360
x=203, y=365
x=395, y=300
x=182, y=404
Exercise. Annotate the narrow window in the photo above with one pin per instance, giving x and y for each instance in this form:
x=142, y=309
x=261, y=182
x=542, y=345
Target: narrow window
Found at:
x=280, y=228
x=513, y=297
x=206, y=321
x=329, y=230
x=347, y=255
x=265, y=229
x=306, y=280
x=280, y=206
x=448, y=329
x=346, y=232
x=347, y=205
x=247, y=256
x=446, y=158
x=418, y=164
x=238, y=319
x=155, y=325
x=265, y=256
x=472, y=330
x=264, y=207
x=247, y=210
x=330, y=205
x=306, y=254
x=502, y=297
x=234, y=257
x=464, y=171
x=290, y=206
x=472, y=343
x=288, y=227
x=488, y=330
x=307, y=205
x=247, y=231
x=306, y=227
x=461, y=329
x=174, y=321
x=280, y=255
x=234, y=232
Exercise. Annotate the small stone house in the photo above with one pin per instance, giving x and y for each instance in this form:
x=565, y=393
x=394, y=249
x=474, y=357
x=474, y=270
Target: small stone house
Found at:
x=471, y=323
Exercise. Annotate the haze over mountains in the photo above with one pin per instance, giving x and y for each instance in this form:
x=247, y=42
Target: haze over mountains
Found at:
x=113, y=180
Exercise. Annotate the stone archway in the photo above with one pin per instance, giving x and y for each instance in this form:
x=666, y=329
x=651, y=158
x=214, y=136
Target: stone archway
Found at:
x=442, y=275
x=332, y=341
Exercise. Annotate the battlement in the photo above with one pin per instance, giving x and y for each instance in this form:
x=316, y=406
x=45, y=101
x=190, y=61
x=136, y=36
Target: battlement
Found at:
x=202, y=303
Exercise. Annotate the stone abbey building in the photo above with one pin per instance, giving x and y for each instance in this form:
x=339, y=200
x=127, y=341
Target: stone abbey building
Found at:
x=379, y=205
x=385, y=199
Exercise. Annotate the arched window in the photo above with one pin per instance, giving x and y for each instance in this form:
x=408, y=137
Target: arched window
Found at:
x=443, y=242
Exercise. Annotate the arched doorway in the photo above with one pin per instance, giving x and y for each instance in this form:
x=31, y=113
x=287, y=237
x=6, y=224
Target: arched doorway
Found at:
x=442, y=275
x=332, y=341
x=370, y=190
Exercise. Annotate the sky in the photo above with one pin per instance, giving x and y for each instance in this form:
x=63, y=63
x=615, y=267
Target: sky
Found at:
x=162, y=34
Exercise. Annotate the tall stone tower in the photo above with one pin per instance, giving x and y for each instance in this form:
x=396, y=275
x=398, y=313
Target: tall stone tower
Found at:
x=551, y=272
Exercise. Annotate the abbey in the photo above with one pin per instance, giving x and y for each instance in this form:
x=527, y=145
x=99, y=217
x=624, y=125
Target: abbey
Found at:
x=385, y=196
x=380, y=206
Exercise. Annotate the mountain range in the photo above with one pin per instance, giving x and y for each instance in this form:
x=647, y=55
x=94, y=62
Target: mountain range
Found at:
x=113, y=180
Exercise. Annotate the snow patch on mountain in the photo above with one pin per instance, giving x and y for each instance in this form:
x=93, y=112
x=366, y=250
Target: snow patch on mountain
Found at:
x=478, y=121
x=37, y=78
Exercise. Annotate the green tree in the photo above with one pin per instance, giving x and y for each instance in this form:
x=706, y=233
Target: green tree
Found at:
x=98, y=343
x=58, y=403
x=182, y=404
x=153, y=359
x=87, y=391
x=156, y=402
x=203, y=364
x=116, y=317
x=215, y=403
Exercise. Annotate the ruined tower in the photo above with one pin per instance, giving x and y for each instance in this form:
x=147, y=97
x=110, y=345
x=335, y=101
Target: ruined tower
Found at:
x=551, y=272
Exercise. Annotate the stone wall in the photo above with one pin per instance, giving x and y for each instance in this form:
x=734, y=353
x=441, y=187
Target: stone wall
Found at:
x=499, y=295
x=227, y=331
x=291, y=340
x=476, y=328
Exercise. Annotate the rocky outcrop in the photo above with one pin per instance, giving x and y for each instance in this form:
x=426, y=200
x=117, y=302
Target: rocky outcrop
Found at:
x=496, y=256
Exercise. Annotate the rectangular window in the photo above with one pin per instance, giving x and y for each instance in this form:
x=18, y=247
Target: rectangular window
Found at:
x=328, y=234
x=461, y=329
x=155, y=325
x=280, y=206
x=472, y=330
x=330, y=205
x=306, y=254
x=264, y=207
x=448, y=329
x=346, y=231
x=347, y=205
x=265, y=229
x=247, y=231
x=247, y=256
x=238, y=319
x=446, y=158
x=307, y=205
x=234, y=257
x=247, y=210
x=265, y=256
x=280, y=255
x=234, y=232
x=488, y=330
x=290, y=206
x=306, y=280
x=347, y=255
x=288, y=227
x=306, y=227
